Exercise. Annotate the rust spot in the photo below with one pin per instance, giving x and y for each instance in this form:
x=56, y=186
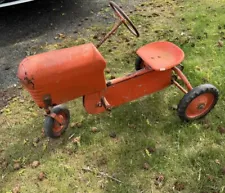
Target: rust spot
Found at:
x=29, y=81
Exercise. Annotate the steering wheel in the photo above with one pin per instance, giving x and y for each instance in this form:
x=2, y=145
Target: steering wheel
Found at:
x=124, y=19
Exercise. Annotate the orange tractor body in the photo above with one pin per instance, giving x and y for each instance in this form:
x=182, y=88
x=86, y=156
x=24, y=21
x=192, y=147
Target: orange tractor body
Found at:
x=63, y=74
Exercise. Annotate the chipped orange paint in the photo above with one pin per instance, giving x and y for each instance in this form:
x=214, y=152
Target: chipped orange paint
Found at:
x=63, y=74
x=122, y=90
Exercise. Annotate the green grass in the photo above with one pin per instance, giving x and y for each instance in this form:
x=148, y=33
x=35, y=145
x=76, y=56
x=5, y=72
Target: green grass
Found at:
x=190, y=156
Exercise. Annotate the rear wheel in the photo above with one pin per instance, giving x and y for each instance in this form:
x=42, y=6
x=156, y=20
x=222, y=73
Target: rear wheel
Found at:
x=198, y=102
x=55, y=127
x=138, y=63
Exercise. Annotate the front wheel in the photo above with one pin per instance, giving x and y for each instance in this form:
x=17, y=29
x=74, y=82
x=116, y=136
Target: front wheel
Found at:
x=198, y=102
x=57, y=122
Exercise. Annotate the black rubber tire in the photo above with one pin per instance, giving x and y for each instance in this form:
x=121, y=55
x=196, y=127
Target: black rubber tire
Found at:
x=49, y=121
x=190, y=96
x=138, y=63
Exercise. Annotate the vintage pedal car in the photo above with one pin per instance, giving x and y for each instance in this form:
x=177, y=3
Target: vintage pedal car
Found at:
x=59, y=76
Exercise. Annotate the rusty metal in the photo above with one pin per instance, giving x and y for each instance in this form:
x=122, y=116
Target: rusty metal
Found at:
x=183, y=78
x=106, y=104
x=29, y=81
x=124, y=18
x=115, y=27
x=179, y=86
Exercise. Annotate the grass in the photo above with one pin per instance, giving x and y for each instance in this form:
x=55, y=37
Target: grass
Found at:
x=153, y=150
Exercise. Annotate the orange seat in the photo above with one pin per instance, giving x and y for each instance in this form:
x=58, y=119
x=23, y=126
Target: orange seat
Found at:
x=161, y=56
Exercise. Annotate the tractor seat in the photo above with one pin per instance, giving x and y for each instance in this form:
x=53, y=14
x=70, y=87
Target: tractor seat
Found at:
x=161, y=56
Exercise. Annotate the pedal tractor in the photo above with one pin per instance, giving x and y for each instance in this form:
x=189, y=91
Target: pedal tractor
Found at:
x=55, y=77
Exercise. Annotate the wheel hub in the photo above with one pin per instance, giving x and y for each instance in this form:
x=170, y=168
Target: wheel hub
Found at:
x=201, y=106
